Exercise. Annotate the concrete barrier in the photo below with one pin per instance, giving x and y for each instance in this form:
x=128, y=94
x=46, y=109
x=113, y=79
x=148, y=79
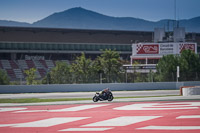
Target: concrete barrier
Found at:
x=94, y=87
x=181, y=89
x=188, y=91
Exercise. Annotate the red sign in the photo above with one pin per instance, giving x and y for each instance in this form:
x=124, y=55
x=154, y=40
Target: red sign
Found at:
x=148, y=49
x=186, y=47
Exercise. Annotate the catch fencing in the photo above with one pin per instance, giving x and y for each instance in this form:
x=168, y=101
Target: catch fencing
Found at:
x=94, y=87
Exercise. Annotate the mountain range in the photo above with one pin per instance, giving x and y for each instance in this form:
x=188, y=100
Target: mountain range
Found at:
x=80, y=18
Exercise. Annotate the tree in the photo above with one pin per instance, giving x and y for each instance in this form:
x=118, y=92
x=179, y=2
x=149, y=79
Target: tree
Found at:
x=166, y=68
x=189, y=63
x=82, y=69
x=31, y=76
x=4, y=79
x=98, y=69
x=110, y=64
x=47, y=79
x=60, y=74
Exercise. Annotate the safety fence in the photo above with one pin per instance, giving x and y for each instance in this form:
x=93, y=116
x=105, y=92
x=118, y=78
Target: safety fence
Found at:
x=94, y=87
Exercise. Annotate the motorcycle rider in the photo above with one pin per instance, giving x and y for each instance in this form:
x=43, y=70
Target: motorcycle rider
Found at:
x=104, y=92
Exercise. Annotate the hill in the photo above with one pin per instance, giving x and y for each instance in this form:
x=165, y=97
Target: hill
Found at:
x=80, y=18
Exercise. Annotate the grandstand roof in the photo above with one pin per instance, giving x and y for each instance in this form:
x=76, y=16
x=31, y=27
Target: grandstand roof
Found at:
x=35, y=34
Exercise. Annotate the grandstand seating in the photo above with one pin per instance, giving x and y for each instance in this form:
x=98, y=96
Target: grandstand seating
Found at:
x=6, y=64
x=15, y=68
x=42, y=72
x=13, y=64
x=30, y=64
x=38, y=64
x=50, y=64
x=22, y=64
x=43, y=62
x=1, y=67
x=11, y=73
x=18, y=73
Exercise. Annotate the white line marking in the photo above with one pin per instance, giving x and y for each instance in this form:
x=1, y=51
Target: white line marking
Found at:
x=85, y=129
x=188, y=116
x=30, y=111
x=122, y=121
x=157, y=106
x=10, y=109
x=186, y=103
x=45, y=122
x=50, y=122
x=7, y=125
x=77, y=108
x=171, y=127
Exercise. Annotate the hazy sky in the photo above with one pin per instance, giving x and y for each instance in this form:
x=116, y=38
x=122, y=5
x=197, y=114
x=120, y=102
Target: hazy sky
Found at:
x=153, y=10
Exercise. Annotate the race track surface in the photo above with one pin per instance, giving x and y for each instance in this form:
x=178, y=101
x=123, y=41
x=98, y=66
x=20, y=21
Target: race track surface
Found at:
x=123, y=117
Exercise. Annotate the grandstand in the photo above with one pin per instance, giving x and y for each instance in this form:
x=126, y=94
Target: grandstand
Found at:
x=15, y=68
x=22, y=48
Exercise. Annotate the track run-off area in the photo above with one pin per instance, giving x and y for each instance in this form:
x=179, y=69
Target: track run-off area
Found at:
x=121, y=117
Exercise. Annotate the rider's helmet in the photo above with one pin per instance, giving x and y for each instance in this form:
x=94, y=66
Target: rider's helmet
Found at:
x=107, y=89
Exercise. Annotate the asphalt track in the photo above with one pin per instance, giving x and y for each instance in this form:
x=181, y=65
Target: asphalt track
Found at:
x=108, y=117
x=176, y=114
x=90, y=94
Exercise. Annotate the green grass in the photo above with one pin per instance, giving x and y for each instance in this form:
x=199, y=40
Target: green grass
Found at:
x=37, y=100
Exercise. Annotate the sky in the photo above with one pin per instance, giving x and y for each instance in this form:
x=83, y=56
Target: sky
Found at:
x=153, y=10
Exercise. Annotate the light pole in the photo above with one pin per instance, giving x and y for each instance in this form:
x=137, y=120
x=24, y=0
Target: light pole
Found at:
x=178, y=74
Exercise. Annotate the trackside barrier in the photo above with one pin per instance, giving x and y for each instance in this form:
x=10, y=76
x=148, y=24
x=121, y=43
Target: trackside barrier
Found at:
x=94, y=87
x=181, y=89
x=192, y=90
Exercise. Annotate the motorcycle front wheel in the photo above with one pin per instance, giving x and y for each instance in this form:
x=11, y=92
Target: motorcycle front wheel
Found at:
x=110, y=98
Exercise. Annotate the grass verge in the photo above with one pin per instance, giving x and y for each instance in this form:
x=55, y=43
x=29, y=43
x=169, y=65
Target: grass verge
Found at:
x=37, y=100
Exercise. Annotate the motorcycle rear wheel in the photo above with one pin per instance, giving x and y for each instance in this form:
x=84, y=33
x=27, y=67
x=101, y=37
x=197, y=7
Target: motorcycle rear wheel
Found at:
x=110, y=98
x=95, y=99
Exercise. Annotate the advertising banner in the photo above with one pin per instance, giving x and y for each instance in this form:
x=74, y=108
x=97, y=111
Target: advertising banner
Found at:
x=167, y=48
x=160, y=49
x=148, y=49
x=186, y=46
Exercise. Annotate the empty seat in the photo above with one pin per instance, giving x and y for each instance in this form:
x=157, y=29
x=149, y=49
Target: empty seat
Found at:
x=11, y=73
x=13, y=64
x=38, y=64
x=43, y=63
x=5, y=64
x=42, y=72
x=18, y=73
x=22, y=64
x=30, y=64
x=49, y=63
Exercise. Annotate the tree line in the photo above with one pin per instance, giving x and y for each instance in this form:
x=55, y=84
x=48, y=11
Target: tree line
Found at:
x=189, y=65
x=108, y=68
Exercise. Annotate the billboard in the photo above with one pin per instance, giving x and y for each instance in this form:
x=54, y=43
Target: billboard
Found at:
x=167, y=48
x=160, y=49
x=186, y=46
x=148, y=49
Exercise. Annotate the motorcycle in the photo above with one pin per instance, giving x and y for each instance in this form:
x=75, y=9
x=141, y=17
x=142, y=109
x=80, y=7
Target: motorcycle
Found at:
x=102, y=97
